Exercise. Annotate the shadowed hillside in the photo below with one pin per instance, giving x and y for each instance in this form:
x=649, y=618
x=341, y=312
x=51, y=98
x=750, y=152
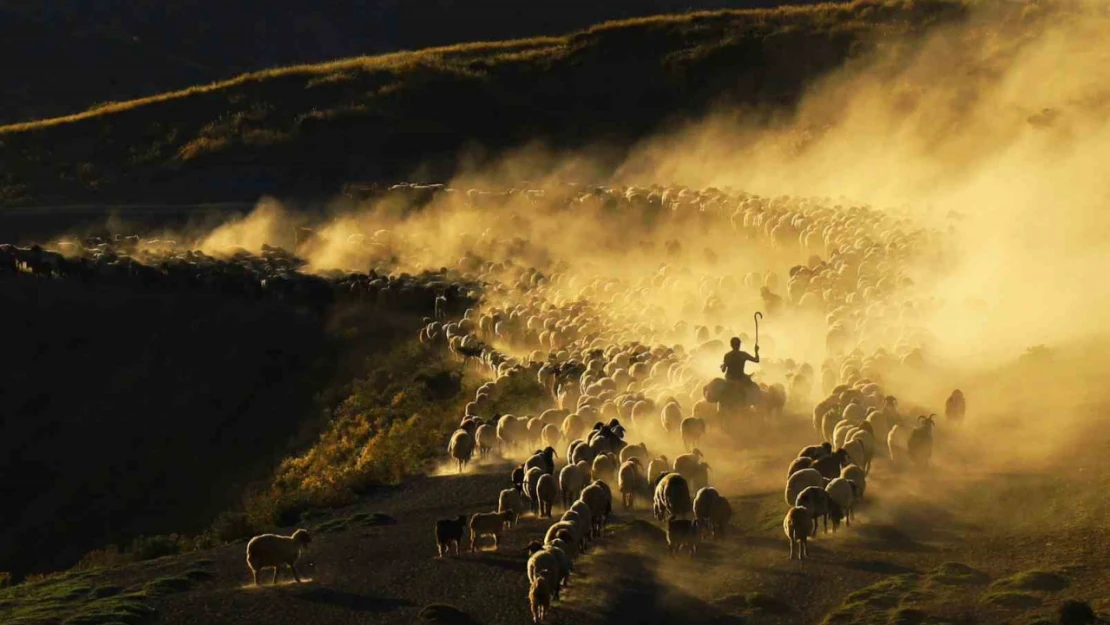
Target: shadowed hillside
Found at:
x=74, y=55
x=310, y=128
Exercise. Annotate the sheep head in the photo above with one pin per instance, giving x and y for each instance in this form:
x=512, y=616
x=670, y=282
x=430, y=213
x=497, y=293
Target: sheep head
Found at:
x=301, y=537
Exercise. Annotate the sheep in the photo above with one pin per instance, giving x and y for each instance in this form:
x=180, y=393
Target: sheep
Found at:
x=271, y=550
x=450, y=531
x=550, y=435
x=576, y=531
x=604, y=467
x=816, y=452
x=579, y=451
x=800, y=481
x=712, y=512
x=630, y=480
x=816, y=500
x=920, y=445
x=486, y=439
x=799, y=463
x=461, y=448
x=797, y=526
x=686, y=463
x=544, y=564
x=856, y=474
x=489, y=524
x=509, y=431
x=571, y=481
x=897, y=443
x=531, y=479
x=511, y=499
x=865, y=437
x=671, y=416
x=681, y=533
x=842, y=495
x=543, y=459
x=634, y=451
x=600, y=500
x=657, y=467
x=582, y=509
x=692, y=429
x=856, y=454
x=517, y=477
x=955, y=407
x=539, y=599
x=546, y=492
x=829, y=466
x=672, y=497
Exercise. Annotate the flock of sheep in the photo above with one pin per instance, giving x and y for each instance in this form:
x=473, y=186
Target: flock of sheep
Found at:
x=622, y=349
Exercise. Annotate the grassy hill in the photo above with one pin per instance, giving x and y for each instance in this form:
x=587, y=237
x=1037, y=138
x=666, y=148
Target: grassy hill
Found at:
x=73, y=55
x=309, y=128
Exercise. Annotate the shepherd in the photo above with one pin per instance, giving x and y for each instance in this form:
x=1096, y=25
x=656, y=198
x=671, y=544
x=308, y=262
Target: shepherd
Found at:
x=733, y=368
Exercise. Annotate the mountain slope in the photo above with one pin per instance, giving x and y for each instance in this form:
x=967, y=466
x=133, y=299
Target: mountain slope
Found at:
x=73, y=55
x=310, y=128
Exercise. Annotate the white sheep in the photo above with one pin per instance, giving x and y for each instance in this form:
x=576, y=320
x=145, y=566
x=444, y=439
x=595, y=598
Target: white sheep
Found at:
x=657, y=467
x=489, y=524
x=692, y=429
x=571, y=480
x=797, y=526
x=604, y=467
x=544, y=564
x=531, y=479
x=600, y=500
x=486, y=439
x=550, y=435
x=271, y=550
x=634, y=451
x=800, y=481
x=511, y=499
x=672, y=497
x=671, y=417
x=854, y=473
x=461, y=448
x=816, y=500
x=712, y=512
x=546, y=492
x=897, y=442
x=842, y=496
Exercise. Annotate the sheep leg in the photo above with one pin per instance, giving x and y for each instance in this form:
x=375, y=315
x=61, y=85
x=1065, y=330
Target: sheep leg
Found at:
x=274, y=580
x=791, y=549
x=254, y=572
x=293, y=567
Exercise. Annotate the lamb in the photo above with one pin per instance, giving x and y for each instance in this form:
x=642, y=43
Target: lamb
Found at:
x=712, y=512
x=799, y=463
x=630, y=480
x=517, y=477
x=897, y=442
x=571, y=481
x=511, y=500
x=539, y=598
x=531, y=479
x=842, y=495
x=800, y=481
x=489, y=524
x=692, y=429
x=461, y=448
x=681, y=533
x=546, y=492
x=672, y=497
x=450, y=531
x=920, y=445
x=816, y=500
x=797, y=526
x=271, y=550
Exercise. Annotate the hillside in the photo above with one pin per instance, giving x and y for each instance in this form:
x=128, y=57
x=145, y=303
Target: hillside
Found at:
x=309, y=128
x=73, y=55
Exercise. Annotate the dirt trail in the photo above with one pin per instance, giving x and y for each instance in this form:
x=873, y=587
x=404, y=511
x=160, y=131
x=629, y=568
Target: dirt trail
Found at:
x=908, y=527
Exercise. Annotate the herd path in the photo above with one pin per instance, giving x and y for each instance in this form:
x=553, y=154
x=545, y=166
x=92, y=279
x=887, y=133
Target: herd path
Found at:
x=386, y=573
